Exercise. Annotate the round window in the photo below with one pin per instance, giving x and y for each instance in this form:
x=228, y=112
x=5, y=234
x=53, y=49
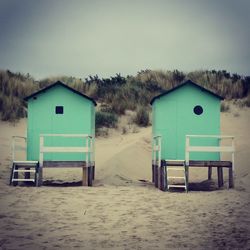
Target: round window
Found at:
x=198, y=110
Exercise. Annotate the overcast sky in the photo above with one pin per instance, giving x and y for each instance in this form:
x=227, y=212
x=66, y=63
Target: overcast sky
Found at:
x=80, y=38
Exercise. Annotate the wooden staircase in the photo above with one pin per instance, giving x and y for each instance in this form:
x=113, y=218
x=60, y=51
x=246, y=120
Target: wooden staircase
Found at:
x=29, y=169
x=173, y=179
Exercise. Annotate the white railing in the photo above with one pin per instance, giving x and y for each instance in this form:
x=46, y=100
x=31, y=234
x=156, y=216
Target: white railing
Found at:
x=228, y=149
x=15, y=145
x=88, y=149
x=156, y=148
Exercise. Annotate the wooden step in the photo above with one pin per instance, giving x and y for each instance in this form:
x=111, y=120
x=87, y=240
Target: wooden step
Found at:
x=176, y=177
x=33, y=180
x=176, y=186
x=25, y=163
x=25, y=170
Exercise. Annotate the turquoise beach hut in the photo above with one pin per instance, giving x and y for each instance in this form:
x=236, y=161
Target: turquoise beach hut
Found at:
x=60, y=133
x=187, y=109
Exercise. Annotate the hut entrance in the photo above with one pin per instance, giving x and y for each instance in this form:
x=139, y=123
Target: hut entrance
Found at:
x=168, y=117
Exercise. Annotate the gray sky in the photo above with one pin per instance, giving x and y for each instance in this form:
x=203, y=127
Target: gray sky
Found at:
x=104, y=37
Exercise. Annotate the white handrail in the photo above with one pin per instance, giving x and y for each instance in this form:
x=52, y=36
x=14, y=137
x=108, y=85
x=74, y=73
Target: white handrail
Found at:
x=212, y=136
x=14, y=147
x=18, y=136
x=156, y=148
x=67, y=135
x=229, y=149
x=88, y=149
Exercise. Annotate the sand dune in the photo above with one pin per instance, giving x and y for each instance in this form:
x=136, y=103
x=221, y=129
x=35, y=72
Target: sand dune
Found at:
x=120, y=211
x=129, y=162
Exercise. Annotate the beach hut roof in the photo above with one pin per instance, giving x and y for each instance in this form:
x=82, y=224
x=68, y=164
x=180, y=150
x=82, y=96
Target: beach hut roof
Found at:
x=59, y=83
x=188, y=82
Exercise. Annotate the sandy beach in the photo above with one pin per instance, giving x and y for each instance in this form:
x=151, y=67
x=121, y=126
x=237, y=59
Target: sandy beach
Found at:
x=123, y=210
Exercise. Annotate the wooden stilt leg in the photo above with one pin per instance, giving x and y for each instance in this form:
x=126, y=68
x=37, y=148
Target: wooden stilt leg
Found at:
x=153, y=173
x=161, y=186
x=84, y=176
x=209, y=173
x=37, y=175
x=222, y=179
x=220, y=176
x=165, y=178
x=162, y=176
x=93, y=172
x=156, y=176
x=159, y=177
x=40, y=176
x=231, y=178
x=91, y=176
x=187, y=176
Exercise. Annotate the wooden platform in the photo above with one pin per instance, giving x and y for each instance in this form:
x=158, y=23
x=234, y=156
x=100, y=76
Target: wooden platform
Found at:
x=224, y=164
x=159, y=173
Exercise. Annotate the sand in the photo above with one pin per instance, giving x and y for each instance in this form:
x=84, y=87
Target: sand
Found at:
x=123, y=210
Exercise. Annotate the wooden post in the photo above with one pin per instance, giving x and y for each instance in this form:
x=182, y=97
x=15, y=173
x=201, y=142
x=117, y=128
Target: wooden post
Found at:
x=209, y=173
x=220, y=176
x=85, y=175
x=230, y=177
x=37, y=175
x=162, y=185
x=156, y=175
x=40, y=169
x=222, y=179
x=187, y=176
x=93, y=172
x=90, y=178
x=40, y=176
x=166, y=176
x=161, y=178
x=153, y=172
